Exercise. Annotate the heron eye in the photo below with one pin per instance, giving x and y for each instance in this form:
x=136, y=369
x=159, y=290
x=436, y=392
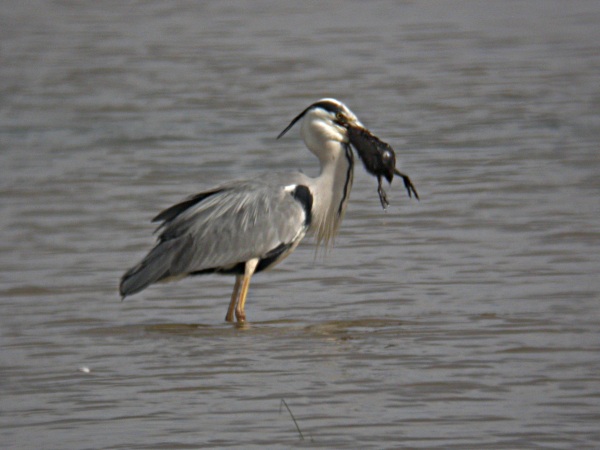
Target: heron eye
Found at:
x=340, y=117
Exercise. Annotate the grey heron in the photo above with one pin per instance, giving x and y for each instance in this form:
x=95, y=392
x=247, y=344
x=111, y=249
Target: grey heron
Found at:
x=250, y=225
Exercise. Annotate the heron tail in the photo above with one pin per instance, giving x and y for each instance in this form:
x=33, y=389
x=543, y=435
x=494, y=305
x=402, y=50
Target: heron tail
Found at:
x=158, y=265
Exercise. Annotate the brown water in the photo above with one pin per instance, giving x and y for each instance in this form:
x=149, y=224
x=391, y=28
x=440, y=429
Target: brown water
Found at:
x=470, y=319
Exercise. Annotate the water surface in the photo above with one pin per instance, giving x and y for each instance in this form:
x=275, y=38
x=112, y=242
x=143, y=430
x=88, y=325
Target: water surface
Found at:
x=470, y=319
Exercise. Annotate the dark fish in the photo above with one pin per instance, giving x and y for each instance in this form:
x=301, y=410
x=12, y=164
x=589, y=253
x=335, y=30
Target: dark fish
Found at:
x=379, y=160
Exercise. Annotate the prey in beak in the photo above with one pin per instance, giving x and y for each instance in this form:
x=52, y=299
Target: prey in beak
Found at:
x=379, y=160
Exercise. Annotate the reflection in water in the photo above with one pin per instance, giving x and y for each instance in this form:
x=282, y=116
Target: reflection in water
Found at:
x=467, y=320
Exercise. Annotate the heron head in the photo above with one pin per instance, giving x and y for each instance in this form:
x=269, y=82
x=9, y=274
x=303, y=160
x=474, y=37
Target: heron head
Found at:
x=328, y=117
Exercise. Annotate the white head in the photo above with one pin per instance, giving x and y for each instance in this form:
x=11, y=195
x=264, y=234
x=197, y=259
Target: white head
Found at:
x=324, y=127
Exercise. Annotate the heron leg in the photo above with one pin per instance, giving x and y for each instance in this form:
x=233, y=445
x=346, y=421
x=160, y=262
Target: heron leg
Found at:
x=249, y=269
x=234, y=298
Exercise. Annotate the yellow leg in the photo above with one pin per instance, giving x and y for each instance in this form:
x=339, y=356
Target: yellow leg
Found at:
x=249, y=269
x=234, y=298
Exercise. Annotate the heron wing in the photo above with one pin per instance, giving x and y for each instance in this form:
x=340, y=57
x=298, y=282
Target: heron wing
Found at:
x=230, y=225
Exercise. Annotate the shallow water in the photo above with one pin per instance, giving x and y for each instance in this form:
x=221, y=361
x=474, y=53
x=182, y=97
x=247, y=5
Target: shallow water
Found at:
x=470, y=319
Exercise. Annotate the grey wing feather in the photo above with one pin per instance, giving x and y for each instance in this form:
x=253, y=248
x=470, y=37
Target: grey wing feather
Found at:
x=157, y=265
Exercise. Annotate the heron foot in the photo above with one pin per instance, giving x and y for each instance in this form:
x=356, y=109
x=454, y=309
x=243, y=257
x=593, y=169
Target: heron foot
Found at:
x=240, y=316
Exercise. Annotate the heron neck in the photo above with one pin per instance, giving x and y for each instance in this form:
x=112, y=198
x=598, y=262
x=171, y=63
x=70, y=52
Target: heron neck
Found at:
x=334, y=183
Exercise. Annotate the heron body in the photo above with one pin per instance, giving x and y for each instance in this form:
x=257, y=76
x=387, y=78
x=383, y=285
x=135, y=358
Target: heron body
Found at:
x=247, y=226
